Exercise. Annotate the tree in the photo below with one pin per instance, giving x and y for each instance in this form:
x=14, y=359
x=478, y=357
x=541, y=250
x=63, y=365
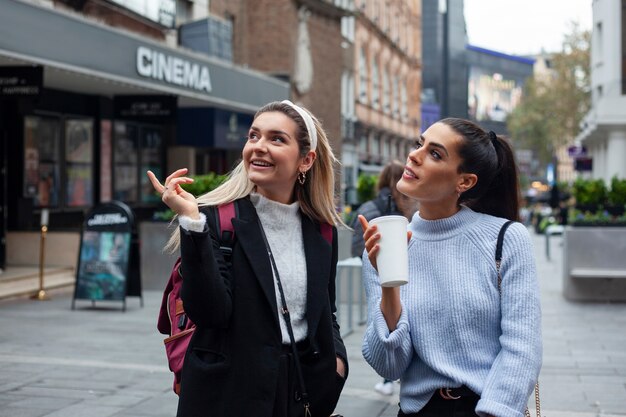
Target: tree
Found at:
x=551, y=109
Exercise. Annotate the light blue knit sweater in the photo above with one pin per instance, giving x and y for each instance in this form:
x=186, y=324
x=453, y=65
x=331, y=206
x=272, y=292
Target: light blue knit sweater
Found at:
x=454, y=328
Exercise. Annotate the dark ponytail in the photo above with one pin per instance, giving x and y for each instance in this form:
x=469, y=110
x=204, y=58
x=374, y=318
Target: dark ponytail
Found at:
x=491, y=158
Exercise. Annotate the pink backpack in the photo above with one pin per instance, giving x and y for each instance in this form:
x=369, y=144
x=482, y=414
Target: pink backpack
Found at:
x=172, y=319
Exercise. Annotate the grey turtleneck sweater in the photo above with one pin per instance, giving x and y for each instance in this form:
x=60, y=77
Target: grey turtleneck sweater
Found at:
x=283, y=228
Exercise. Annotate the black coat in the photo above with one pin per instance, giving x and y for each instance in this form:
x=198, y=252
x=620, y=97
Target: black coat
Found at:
x=232, y=364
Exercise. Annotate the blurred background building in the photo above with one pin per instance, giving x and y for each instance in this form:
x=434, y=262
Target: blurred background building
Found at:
x=381, y=110
x=444, y=68
x=603, y=131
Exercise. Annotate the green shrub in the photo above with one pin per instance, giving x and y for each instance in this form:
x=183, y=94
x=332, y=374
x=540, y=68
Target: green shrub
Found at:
x=545, y=222
x=202, y=184
x=366, y=187
x=617, y=193
x=589, y=192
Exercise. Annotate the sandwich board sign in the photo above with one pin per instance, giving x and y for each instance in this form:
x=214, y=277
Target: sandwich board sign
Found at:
x=105, y=256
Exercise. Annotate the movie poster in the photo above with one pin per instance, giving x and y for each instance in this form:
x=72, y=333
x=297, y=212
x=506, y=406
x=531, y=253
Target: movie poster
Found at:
x=41, y=161
x=79, y=158
x=79, y=185
x=103, y=266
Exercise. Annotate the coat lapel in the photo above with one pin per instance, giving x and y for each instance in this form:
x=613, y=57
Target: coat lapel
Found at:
x=248, y=234
x=317, y=252
x=318, y=255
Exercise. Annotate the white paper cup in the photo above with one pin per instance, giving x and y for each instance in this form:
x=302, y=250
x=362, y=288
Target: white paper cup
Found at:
x=392, y=259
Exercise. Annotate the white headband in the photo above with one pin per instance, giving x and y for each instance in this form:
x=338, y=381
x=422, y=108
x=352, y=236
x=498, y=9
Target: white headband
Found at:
x=308, y=121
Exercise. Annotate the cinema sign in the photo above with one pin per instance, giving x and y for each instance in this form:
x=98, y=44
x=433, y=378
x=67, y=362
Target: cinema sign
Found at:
x=172, y=70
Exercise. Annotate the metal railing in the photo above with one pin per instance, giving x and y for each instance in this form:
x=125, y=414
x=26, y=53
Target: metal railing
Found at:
x=350, y=296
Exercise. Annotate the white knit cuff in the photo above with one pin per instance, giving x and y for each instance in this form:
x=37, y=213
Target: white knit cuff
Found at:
x=192, y=225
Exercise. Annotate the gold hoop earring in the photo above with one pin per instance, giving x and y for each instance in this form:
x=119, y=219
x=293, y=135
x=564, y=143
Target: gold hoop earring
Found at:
x=301, y=177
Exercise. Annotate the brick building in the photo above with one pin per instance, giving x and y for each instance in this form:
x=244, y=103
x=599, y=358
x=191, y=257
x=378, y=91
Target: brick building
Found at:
x=385, y=117
x=268, y=36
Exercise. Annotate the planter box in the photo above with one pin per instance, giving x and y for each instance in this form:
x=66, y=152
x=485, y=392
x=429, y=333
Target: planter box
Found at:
x=594, y=263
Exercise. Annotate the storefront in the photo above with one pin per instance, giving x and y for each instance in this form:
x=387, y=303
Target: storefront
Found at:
x=110, y=106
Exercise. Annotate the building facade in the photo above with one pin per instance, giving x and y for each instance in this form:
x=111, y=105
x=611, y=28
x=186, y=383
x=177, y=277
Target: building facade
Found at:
x=102, y=91
x=381, y=108
x=495, y=86
x=604, y=127
x=299, y=41
x=444, y=69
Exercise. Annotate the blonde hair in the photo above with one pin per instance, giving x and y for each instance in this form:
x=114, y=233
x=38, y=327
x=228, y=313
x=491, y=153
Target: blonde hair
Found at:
x=315, y=196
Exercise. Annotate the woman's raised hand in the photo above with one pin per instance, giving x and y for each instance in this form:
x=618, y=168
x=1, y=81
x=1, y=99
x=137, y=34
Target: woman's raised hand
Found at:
x=173, y=195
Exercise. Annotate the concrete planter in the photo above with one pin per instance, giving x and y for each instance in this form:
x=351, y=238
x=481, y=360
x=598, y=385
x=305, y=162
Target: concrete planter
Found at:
x=594, y=263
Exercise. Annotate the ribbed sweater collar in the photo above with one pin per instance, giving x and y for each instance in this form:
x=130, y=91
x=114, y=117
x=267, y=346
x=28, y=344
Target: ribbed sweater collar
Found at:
x=273, y=213
x=441, y=229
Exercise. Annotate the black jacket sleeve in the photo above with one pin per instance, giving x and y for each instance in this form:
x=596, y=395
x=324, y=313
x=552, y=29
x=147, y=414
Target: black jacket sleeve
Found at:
x=206, y=290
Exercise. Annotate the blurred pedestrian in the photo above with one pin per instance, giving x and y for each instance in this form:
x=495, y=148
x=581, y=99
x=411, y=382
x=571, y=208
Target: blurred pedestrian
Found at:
x=240, y=361
x=462, y=342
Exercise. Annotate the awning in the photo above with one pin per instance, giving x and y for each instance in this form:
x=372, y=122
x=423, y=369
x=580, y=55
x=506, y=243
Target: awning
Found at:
x=84, y=56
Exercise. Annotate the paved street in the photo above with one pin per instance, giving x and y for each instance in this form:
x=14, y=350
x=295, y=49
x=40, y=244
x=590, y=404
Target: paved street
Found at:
x=101, y=362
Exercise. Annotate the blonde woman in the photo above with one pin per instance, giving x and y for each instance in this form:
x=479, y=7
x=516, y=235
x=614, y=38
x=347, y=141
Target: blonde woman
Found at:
x=240, y=361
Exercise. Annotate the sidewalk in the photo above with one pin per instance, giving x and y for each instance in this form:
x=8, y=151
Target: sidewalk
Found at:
x=101, y=362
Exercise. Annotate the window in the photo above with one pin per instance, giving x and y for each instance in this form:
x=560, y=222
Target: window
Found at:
x=363, y=76
x=79, y=162
x=395, y=100
x=42, y=160
x=347, y=28
x=598, y=41
x=125, y=167
x=375, y=84
x=347, y=94
x=404, y=102
x=137, y=148
x=386, y=151
x=375, y=150
x=58, y=173
x=386, y=105
x=363, y=145
x=151, y=150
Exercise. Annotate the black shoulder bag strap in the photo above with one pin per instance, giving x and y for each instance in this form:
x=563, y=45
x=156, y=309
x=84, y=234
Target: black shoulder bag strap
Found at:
x=286, y=316
x=498, y=263
x=499, y=252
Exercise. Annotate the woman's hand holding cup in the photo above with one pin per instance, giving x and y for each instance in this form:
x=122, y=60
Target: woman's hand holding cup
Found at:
x=394, y=258
x=390, y=302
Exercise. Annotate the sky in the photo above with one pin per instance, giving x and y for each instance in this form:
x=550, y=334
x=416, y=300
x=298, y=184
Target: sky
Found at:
x=523, y=27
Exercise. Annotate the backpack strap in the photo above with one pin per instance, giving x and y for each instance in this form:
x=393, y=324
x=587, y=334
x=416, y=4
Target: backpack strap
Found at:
x=225, y=231
x=499, y=251
x=327, y=232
